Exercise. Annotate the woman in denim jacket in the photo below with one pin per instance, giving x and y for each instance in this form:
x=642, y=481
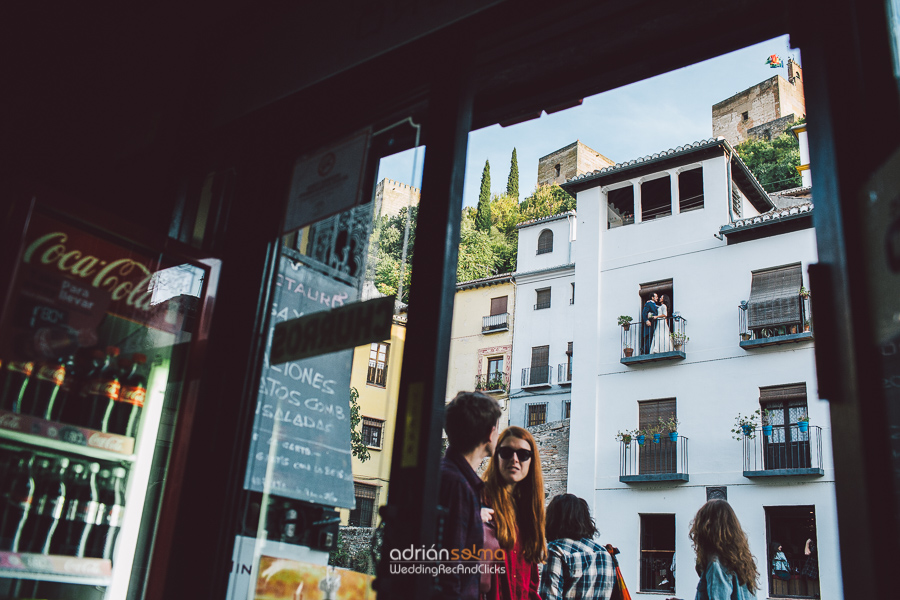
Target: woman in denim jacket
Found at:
x=727, y=569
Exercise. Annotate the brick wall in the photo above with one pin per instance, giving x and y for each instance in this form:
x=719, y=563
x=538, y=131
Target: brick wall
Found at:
x=391, y=196
x=574, y=159
x=553, y=443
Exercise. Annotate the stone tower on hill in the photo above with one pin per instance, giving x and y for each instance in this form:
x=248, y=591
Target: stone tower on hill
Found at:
x=764, y=110
x=565, y=163
x=391, y=196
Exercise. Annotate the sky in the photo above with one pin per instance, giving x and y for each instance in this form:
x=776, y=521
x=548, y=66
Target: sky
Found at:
x=629, y=122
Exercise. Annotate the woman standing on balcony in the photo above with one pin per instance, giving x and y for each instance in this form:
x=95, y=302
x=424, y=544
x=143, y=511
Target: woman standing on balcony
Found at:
x=514, y=489
x=727, y=569
x=661, y=336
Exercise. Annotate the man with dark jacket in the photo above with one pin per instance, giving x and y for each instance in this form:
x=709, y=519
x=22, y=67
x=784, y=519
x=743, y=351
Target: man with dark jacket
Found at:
x=471, y=423
x=648, y=322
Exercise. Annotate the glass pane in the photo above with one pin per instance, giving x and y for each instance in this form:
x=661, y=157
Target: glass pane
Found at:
x=93, y=357
x=319, y=467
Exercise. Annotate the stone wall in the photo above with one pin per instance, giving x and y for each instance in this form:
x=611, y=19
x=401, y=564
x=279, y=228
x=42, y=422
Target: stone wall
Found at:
x=391, y=196
x=572, y=160
x=354, y=552
x=772, y=129
x=553, y=443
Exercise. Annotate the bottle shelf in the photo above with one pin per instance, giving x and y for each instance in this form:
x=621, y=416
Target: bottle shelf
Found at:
x=61, y=569
x=62, y=437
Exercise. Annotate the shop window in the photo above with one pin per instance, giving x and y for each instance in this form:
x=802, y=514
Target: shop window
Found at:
x=794, y=573
x=787, y=447
x=690, y=190
x=545, y=242
x=657, y=553
x=543, y=299
x=366, y=500
x=378, y=356
x=372, y=431
x=537, y=415
x=656, y=198
x=620, y=207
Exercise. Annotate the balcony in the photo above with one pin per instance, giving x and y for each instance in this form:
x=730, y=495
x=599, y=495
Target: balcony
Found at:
x=564, y=374
x=495, y=323
x=786, y=452
x=665, y=460
x=535, y=377
x=492, y=383
x=780, y=331
x=640, y=346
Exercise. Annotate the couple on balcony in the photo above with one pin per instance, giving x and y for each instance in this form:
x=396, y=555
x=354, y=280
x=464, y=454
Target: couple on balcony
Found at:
x=655, y=333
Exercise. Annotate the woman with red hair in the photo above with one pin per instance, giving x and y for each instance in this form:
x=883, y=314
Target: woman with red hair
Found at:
x=727, y=569
x=514, y=489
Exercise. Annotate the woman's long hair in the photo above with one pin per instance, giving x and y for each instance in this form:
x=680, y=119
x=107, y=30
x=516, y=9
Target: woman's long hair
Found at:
x=520, y=513
x=716, y=531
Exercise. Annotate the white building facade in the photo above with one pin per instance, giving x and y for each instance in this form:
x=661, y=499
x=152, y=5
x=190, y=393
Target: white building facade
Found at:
x=692, y=223
x=542, y=357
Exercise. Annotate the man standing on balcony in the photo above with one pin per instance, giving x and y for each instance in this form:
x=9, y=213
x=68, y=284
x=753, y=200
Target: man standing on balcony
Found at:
x=648, y=325
x=471, y=423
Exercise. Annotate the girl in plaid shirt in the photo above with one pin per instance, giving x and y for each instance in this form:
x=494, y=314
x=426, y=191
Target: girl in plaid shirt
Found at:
x=577, y=566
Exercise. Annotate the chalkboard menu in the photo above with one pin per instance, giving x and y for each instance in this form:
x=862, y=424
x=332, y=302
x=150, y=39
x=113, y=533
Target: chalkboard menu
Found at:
x=301, y=431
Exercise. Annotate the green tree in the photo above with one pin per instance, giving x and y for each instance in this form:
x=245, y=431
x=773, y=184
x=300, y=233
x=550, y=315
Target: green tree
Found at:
x=391, y=233
x=773, y=163
x=357, y=446
x=483, y=216
x=512, y=184
x=546, y=201
x=476, y=254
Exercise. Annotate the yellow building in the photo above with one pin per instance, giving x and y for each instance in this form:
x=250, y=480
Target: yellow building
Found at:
x=376, y=376
x=481, y=339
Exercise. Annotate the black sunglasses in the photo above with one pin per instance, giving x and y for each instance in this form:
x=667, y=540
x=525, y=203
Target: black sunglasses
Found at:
x=506, y=453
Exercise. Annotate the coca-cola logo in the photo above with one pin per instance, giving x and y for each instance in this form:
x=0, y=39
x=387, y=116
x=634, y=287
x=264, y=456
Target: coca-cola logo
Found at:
x=133, y=395
x=106, y=442
x=73, y=436
x=118, y=277
x=84, y=566
x=10, y=421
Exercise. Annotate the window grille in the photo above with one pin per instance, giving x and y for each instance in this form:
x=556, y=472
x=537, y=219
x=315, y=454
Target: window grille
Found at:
x=372, y=432
x=366, y=500
x=537, y=414
x=543, y=299
x=545, y=242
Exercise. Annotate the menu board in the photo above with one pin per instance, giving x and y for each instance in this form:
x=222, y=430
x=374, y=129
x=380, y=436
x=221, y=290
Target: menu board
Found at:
x=301, y=431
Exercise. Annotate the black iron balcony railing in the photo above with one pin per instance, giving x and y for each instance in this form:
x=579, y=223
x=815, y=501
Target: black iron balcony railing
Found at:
x=656, y=571
x=542, y=304
x=495, y=323
x=641, y=343
x=798, y=329
x=663, y=460
x=786, y=450
x=564, y=373
x=492, y=382
x=536, y=376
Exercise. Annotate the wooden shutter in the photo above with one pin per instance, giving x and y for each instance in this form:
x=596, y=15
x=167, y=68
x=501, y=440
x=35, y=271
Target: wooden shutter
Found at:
x=498, y=305
x=543, y=298
x=540, y=356
x=794, y=391
x=650, y=411
x=775, y=297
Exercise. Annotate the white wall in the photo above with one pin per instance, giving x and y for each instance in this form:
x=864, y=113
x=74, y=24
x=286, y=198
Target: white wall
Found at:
x=563, y=253
x=717, y=379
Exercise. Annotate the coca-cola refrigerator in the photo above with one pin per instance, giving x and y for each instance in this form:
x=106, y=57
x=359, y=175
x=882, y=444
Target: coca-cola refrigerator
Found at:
x=101, y=335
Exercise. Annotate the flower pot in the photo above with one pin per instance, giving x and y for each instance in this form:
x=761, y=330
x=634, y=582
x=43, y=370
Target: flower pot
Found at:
x=656, y=437
x=678, y=347
x=673, y=436
x=626, y=440
x=745, y=337
x=803, y=426
x=641, y=440
x=626, y=326
x=748, y=429
x=806, y=328
x=767, y=430
x=793, y=329
x=629, y=351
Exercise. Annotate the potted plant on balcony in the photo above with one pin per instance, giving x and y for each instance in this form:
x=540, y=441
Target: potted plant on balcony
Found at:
x=641, y=436
x=670, y=427
x=745, y=426
x=804, y=293
x=745, y=336
x=803, y=423
x=678, y=340
x=766, y=418
x=806, y=325
x=625, y=436
x=625, y=322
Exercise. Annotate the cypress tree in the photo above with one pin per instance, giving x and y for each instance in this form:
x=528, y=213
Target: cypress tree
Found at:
x=512, y=184
x=483, y=216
